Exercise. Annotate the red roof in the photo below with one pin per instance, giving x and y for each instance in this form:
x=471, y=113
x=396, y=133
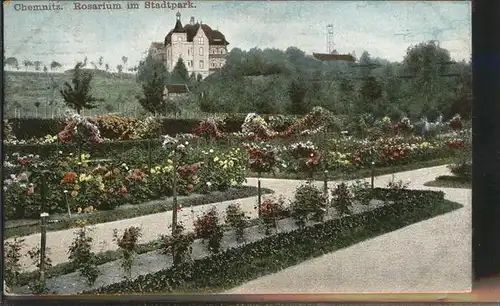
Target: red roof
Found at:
x=214, y=37
x=334, y=57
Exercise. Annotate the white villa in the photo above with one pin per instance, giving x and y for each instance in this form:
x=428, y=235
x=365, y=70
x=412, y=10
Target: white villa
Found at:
x=203, y=50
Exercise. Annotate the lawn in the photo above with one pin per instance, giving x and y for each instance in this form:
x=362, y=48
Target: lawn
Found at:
x=25, y=90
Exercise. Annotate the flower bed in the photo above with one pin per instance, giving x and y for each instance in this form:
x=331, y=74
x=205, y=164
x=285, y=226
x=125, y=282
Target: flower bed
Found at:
x=70, y=182
x=245, y=262
x=73, y=183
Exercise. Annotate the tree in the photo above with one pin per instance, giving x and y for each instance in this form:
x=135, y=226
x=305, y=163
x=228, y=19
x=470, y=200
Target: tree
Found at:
x=365, y=61
x=100, y=61
x=297, y=93
x=152, y=76
x=106, y=67
x=27, y=64
x=180, y=73
x=37, y=65
x=54, y=65
x=77, y=94
x=426, y=62
x=37, y=107
x=124, y=61
x=12, y=62
x=119, y=68
x=45, y=69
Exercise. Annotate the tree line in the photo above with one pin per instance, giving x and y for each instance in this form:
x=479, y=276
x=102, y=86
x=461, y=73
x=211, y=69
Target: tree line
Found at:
x=427, y=82
x=36, y=65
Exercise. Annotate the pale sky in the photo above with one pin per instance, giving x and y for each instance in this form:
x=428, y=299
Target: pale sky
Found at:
x=383, y=28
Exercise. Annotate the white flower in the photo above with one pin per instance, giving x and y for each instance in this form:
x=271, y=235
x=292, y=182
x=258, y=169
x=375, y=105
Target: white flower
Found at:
x=211, y=151
x=65, y=191
x=44, y=214
x=209, y=184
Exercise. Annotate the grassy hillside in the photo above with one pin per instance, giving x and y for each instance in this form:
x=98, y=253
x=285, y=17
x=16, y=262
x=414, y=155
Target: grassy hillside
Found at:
x=24, y=89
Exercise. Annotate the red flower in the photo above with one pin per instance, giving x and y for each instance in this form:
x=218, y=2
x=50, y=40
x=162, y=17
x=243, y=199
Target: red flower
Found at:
x=123, y=190
x=22, y=161
x=69, y=177
x=189, y=187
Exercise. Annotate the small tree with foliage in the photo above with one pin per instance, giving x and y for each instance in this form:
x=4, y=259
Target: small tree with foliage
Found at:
x=180, y=73
x=77, y=94
x=55, y=65
x=152, y=76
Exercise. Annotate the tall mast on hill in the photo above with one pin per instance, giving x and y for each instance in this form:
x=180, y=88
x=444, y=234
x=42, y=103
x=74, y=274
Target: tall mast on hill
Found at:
x=331, y=54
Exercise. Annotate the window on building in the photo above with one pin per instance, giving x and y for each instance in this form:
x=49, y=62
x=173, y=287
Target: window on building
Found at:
x=213, y=65
x=200, y=40
x=179, y=38
x=202, y=64
x=190, y=63
x=189, y=51
x=221, y=51
x=201, y=51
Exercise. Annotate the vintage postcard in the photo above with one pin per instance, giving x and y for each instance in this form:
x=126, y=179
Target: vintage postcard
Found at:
x=237, y=147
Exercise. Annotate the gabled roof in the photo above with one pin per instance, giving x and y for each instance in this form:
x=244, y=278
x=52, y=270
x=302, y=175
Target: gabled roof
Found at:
x=214, y=37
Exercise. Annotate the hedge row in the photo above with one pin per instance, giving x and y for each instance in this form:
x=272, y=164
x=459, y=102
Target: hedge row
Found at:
x=271, y=254
x=28, y=128
x=102, y=150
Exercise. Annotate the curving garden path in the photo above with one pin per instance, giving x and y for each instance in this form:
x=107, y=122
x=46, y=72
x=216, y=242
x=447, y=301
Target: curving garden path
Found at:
x=433, y=255
x=429, y=256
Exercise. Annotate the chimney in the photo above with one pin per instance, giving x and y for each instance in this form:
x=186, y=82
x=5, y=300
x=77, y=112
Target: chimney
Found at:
x=191, y=22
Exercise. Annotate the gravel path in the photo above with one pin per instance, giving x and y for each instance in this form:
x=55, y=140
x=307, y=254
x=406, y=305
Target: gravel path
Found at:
x=154, y=225
x=429, y=256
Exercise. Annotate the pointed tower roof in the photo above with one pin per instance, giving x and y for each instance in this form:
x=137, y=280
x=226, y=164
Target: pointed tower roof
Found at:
x=178, y=28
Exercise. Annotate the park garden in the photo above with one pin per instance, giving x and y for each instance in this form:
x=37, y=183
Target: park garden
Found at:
x=67, y=181
x=133, y=204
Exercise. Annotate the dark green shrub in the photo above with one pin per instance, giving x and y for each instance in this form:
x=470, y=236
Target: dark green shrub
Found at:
x=342, y=199
x=236, y=219
x=309, y=203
